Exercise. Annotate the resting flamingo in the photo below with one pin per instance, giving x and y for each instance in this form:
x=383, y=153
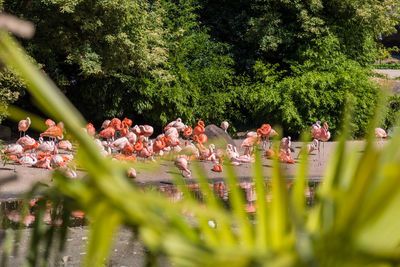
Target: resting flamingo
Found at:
x=380, y=133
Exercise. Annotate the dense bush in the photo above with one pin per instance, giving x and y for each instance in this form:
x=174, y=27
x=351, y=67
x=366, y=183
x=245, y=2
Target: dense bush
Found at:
x=10, y=89
x=392, y=112
x=315, y=90
x=156, y=60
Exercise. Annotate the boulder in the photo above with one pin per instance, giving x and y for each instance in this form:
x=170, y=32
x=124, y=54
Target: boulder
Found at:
x=218, y=136
x=5, y=132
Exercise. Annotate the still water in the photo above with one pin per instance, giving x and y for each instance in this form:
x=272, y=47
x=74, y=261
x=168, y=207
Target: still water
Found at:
x=11, y=210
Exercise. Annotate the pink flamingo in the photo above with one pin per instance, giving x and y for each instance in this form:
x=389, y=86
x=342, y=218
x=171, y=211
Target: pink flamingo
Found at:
x=131, y=173
x=28, y=160
x=380, y=133
x=44, y=162
x=218, y=167
x=200, y=128
x=182, y=164
x=178, y=124
x=315, y=126
x=107, y=133
x=224, y=126
x=90, y=129
x=54, y=131
x=50, y=123
x=172, y=131
x=249, y=143
x=47, y=146
x=322, y=134
x=285, y=154
x=146, y=130
x=14, y=149
x=120, y=143
x=23, y=125
x=310, y=147
x=27, y=142
x=65, y=144
x=105, y=124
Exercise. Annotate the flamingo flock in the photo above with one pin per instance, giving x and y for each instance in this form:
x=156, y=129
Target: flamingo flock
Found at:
x=120, y=140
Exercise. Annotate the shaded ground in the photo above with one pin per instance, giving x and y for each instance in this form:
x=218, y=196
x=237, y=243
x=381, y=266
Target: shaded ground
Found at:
x=127, y=250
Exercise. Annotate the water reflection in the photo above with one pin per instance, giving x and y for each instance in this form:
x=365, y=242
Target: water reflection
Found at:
x=221, y=190
x=11, y=210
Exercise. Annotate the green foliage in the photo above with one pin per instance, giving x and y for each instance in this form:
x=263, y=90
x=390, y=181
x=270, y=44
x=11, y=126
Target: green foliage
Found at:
x=392, y=112
x=150, y=60
x=354, y=223
x=281, y=26
x=316, y=90
x=10, y=89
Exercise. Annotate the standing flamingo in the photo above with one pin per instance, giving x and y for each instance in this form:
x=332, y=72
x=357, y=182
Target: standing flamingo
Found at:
x=182, y=164
x=54, y=131
x=90, y=129
x=200, y=128
x=23, y=125
x=224, y=126
x=323, y=135
x=105, y=124
x=50, y=123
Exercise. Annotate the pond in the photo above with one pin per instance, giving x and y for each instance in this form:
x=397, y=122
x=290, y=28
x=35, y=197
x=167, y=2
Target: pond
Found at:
x=11, y=209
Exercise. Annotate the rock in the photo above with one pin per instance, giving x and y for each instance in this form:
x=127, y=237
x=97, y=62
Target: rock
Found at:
x=5, y=132
x=218, y=136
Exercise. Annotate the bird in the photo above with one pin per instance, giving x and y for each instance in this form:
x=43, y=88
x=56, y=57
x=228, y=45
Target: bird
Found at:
x=146, y=130
x=14, y=149
x=187, y=132
x=120, y=143
x=315, y=126
x=27, y=142
x=131, y=173
x=172, y=131
x=224, y=125
x=115, y=123
x=23, y=125
x=310, y=147
x=50, y=123
x=107, y=133
x=285, y=145
x=199, y=129
x=90, y=129
x=46, y=146
x=44, y=162
x=128, y=122
x=380, y=133
x=322, y=134
x=201, y=138
x=54, y=131
x=177, y=124
x=105, y=124
x=218, y=167
x=182, y=164
x=65, y=144
x=249, y=143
